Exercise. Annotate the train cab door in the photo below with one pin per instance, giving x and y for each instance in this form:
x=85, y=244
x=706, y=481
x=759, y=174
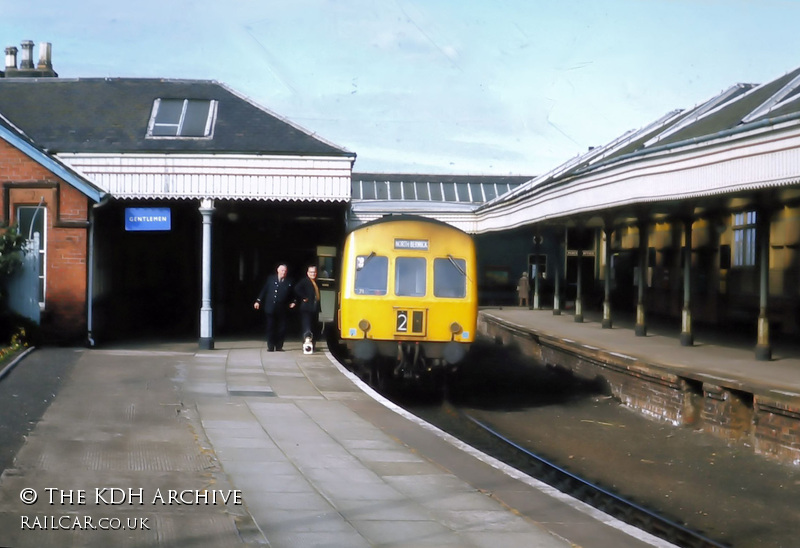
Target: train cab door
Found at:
x=326, y=280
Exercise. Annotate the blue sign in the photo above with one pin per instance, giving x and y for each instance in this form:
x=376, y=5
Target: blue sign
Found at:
x=148, y=218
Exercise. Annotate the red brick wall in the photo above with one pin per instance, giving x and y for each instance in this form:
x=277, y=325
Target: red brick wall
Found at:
x=26, y=182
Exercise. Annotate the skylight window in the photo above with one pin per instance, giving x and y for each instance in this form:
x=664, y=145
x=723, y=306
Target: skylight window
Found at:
x=182, y=118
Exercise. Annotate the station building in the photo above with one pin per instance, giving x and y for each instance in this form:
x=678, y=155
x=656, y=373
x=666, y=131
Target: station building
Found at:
x=167, y=196
x=693, y=217
x=148, y=186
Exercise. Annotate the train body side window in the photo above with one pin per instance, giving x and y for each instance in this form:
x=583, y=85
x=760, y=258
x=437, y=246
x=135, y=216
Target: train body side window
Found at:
x=449, y=278
x=372, y=273
x=409, y=277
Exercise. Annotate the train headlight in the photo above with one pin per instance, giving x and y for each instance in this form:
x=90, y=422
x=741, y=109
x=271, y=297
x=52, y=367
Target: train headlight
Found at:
x=364, y=325
x=455, y=328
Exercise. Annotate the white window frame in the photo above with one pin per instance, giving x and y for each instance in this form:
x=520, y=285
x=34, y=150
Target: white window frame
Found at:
x=744, y=239
x=208, y=133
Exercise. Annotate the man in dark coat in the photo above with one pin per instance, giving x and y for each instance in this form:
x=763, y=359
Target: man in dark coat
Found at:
x=307, y=293
x=276, y=300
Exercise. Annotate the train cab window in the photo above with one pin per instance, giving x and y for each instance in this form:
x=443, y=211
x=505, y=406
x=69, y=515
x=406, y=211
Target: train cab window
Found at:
x=372, y=273
x=450, y=278
x=409, y=277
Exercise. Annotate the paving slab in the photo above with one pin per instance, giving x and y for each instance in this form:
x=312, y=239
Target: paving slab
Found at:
x=307, y=455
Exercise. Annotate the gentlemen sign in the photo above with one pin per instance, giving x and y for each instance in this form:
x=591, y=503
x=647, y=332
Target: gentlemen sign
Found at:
x=139, y=219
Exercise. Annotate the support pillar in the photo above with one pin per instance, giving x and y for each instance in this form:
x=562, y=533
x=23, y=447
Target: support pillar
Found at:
x=206, y=326
x=641, y=324
x=607, y=323
x=536, y=274
x=579, y=288
x=687, y=337
x=557, y=294
x=763, y=346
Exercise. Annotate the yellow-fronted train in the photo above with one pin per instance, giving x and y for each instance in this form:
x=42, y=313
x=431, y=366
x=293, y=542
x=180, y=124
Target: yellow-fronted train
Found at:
x=408, y=300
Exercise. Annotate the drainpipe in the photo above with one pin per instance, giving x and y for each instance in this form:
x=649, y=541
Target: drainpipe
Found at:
x=90, y=282
x=90, y=342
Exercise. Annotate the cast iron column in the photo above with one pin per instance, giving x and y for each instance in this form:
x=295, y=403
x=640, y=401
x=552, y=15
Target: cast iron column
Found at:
x=557, y=294
x=536, y=239
x=206, y=326
x=763, y=346
x=687, y=337
x=607, y=324
x=641, y=325
x=579, y=288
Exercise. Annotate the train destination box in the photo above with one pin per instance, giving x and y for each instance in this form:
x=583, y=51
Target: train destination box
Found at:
x=419, y=245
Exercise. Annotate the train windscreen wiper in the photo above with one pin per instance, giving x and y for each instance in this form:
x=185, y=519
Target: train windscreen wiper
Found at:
x=365, y=260
x=458, y=266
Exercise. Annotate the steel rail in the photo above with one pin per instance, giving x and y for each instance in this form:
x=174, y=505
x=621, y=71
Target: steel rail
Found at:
x=605, y=500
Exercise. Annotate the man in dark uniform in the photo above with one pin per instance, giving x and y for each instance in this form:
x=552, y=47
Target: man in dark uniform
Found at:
x=276, y=298
x=307, y=293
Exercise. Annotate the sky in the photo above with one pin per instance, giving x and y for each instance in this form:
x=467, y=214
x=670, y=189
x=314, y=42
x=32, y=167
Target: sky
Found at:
x=433, y=86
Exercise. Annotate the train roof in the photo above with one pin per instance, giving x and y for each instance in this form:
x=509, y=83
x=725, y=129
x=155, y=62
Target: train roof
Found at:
x=404, y=217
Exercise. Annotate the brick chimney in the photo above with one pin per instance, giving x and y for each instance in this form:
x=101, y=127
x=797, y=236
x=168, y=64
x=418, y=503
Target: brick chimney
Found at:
x=26, y=69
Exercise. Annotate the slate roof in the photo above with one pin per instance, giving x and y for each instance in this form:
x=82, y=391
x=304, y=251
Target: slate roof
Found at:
x=111, y=115
x=16, y=138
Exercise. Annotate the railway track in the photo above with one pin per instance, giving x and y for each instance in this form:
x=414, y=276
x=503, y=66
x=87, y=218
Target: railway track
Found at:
x=629, y=512
x=675, y=484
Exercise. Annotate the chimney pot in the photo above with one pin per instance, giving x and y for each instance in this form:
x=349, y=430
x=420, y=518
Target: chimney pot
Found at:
x=27, y=55
x=45, y=56
x=11, y=57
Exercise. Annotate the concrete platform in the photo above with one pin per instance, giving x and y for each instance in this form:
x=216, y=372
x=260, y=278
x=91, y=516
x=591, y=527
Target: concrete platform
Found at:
x=726, y=356
x=164, y=445
x=716, y=385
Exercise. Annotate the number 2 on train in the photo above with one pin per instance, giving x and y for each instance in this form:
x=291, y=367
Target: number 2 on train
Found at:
x=402, y=321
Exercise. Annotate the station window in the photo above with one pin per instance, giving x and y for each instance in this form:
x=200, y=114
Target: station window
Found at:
x=184, y=118
x=409, y=277
x=33, y=220
x=450, y=278
x=436, y=192
x=449, y=190
x=463, y=193
x=476, y=191
x=371, y=275
x=744, y=238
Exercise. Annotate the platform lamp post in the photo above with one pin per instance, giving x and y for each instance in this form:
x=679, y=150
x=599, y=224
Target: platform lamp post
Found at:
x=206, y=324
